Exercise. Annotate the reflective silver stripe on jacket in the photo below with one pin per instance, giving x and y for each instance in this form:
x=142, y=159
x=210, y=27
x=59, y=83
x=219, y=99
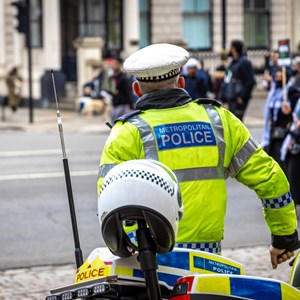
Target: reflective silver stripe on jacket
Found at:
x=147, y=137
x=192, y=174
x=217, y=126
x=242, y=156
x=104, y=169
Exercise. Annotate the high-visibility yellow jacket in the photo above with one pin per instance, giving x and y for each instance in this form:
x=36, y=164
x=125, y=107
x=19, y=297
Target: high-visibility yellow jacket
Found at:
x=203, y=144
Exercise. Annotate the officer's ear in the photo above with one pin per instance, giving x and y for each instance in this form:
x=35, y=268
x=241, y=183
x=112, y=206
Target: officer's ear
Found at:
x=181, y=82
x=136, y=89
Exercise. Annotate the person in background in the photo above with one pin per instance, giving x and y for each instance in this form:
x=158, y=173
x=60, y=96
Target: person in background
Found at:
x=204, y=74
x=240, y=76
x=88, y=106
x=194, y=84
x=277, y=122
x=271, y=66
x=85, y=98
x=120, y=89
x=99, y=82
x=219, y=74
x=291, y=146
x=290, y=153
x=14, y=83
x=293, y=90
x=203, y=144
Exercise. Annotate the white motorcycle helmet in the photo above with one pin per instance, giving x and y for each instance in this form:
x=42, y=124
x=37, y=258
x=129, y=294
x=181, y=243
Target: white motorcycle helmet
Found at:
x=139, y=190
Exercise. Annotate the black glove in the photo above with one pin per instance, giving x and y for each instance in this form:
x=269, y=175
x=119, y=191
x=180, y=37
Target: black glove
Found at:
x=288, y=242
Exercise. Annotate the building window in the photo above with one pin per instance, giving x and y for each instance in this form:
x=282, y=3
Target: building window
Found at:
x=36, y=23
x=197, y=19
x=102, y=18
x=114, y=24
x=256, y=26
x=91, y=18
x=144, y=23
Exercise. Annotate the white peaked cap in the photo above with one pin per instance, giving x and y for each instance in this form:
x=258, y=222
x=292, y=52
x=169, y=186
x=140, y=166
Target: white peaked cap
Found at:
x=156, y=62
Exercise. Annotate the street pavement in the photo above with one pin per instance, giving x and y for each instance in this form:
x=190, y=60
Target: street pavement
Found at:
x=36, y=282
x=45, y=120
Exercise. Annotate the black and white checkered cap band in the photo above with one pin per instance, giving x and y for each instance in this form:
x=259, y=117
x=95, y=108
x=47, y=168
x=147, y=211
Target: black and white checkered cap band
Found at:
x=211, y=247
x=141, y=174
x=279, y=202
x=166, y=76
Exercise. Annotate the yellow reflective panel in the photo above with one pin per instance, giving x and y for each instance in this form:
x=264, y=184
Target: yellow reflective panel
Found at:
x=211, y=284
x=289, y=292
x=123, y=271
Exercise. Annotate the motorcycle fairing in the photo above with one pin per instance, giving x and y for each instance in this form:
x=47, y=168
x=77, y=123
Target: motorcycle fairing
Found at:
x=178, y=263
x=241, y=286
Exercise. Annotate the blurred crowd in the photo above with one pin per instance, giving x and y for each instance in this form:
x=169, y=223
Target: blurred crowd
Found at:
x=232, y=83
x=281, y=136
x=109, y=92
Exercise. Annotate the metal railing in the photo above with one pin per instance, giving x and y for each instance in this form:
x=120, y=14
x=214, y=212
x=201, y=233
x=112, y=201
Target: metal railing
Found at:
x=213, y=59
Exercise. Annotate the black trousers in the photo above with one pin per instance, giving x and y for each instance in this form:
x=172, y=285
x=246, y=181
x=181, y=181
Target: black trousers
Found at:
x=293, y=174
x=238, y=109
x=274, y=151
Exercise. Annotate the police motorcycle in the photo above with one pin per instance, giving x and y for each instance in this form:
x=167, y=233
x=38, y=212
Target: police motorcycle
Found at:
x=140, y=262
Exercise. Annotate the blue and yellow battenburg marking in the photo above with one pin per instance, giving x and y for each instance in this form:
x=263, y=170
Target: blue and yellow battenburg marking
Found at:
x=218, y=275
x=188, y=134
x=295, y=273
x=178, y=263
x=240, y=286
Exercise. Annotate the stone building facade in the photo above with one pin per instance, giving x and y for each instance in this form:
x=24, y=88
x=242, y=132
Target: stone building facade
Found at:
x=72, y=44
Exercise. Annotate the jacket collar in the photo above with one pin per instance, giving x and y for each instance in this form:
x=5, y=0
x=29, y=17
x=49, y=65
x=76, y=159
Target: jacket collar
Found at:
x=161, y=99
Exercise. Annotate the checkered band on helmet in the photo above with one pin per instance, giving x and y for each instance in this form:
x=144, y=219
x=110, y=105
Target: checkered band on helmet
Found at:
x=141, y=174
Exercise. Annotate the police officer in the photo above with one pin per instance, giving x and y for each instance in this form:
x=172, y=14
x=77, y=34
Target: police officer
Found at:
x=203, y=144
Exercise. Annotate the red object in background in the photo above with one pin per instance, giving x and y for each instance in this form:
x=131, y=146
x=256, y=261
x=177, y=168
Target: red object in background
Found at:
x=182, y=288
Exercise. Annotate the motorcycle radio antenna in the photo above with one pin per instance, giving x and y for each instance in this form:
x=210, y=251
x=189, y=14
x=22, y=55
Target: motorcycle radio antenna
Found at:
x=78, y=252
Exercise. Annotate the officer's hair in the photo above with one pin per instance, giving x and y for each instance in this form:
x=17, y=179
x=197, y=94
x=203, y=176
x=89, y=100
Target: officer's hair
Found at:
x=147, y=87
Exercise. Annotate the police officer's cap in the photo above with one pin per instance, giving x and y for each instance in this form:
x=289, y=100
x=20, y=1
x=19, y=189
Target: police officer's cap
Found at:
x=156, y=62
